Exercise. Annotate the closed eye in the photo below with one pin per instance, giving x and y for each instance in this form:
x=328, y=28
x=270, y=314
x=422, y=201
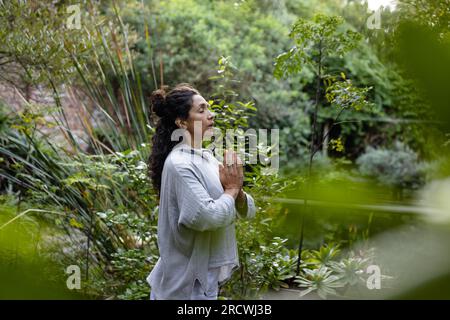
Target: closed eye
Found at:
x=202, y=108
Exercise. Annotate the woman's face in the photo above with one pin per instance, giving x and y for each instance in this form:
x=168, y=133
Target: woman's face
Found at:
x=199, y=116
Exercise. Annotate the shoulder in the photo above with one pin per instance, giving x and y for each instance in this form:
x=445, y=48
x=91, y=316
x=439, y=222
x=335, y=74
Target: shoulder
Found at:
x=178, y=162
x=186, y=160
x=175, y=159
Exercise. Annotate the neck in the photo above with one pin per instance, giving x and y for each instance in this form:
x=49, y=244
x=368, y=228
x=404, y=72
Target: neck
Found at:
x=194, y=143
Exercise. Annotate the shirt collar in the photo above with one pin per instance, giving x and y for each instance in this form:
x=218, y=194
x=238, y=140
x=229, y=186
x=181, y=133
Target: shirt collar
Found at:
x=202, y=152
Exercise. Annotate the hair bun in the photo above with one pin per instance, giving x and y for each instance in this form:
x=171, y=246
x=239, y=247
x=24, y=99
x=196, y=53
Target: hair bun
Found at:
x=158, y=101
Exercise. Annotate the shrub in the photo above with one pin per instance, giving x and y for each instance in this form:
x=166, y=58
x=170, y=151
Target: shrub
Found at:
x=398, y=167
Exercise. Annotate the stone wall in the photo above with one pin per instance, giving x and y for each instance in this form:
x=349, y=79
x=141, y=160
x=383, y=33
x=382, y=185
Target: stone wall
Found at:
x=72, y=101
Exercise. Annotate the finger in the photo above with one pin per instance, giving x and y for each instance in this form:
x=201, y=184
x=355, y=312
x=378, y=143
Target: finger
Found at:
x=221, y=171
x=235, y=167
x=239, y=161
x=229, y=158
x=240, y=165
x=230, y=168
x=226, y=163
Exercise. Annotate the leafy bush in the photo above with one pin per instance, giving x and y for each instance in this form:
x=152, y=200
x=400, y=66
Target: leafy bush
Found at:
x=327, y=272
x=397, y=167
x=320, y=280
x=264, y=263
x=27, y=267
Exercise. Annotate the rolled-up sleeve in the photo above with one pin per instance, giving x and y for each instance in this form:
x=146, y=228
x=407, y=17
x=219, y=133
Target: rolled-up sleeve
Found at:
x=198, y=210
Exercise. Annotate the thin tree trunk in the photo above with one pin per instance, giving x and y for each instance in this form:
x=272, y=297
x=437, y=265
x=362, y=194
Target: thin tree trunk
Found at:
x=325, y=138
x=312, y=149
x=316, y=109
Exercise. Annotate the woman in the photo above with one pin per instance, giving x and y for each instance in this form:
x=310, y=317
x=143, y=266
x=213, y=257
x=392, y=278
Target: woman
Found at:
x=199, y=200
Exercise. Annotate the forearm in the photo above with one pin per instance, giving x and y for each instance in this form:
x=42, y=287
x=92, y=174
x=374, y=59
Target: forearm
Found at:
x=241, y=203
x=240, y=200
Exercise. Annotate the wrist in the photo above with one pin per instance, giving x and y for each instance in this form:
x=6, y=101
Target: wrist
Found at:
x=232, y=192
x=241, y=202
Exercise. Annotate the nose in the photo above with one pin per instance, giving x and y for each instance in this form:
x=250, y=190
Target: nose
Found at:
x=212, y=115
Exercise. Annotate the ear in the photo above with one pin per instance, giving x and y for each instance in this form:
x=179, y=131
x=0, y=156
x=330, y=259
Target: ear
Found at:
x=180, y=123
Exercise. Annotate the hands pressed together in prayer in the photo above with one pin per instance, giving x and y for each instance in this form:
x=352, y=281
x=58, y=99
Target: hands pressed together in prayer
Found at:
x=231, y=174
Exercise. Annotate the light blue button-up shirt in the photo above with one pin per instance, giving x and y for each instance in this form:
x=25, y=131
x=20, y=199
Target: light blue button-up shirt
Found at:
x=196, y=231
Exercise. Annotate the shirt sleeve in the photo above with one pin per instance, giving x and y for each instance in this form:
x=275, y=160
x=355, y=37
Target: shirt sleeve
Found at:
x=251, y=208
x=198, y=210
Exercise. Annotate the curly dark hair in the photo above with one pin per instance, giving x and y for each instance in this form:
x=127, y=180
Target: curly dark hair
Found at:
x=168, y=107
